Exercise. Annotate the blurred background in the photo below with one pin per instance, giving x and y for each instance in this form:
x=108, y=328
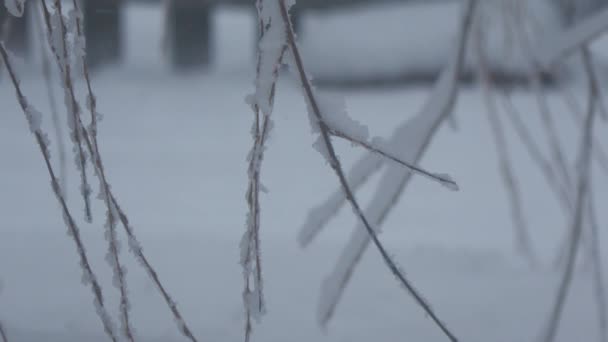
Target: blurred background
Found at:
x=171, y=78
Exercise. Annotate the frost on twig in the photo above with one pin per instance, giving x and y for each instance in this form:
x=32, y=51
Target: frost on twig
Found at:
x=47, y=74
x=325, y=121
x=33, y=117
x=413, y=137
x=270, y=51
x=112, y=256
x=60, y=45
x=114, y=212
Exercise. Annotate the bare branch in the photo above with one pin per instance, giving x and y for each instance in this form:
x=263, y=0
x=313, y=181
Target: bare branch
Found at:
x=325, y=135
x=46, y=72
x=438, y=107
x=441, y=178
x=137, y=250
x=523, y=240
x=582, y=191
x=93, y=147
x=71, y=103
x=73, y=229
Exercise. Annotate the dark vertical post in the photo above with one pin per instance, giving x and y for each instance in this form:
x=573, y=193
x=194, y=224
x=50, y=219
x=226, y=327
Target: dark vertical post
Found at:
x=189, y=32
x=15, y=31
x=103, y=31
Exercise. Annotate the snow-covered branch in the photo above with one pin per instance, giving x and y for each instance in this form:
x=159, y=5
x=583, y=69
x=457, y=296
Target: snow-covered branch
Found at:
x=270, y=52
x=523, y=240
x=33, y=117
x=412, y=137
x=57, y=35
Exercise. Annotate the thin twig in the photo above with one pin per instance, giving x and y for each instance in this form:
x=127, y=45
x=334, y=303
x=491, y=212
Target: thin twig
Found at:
x=336, y=166
x=577, y=115
x=596, y=254
x=137, y=250
x=424, y=125
x=582, y=189
x=523, y=240
x=251, y=248
x=534, y=151
x=93, y=147
x=62, y=58
x=46, y=72
x=73, y=229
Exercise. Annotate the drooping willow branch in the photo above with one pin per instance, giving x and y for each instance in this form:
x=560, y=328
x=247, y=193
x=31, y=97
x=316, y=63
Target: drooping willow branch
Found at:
x=325, y=135
x=81, y=137
x=114, y=211
x=62, y=56
x=424, y=125
x=576, y=226
x=523, y=240
x=251, y=260
x=33, y=118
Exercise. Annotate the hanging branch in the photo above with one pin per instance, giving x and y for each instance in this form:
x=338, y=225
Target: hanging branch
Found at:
x=46, y=72
x=577, y=114
x=62, y=57
x=523, y=240
x=253, y=300
x=33, y=118
x=327, y=149
x=91, y=143
x=534, y=151
x=137, y=250
x=113, y=208
x=81, y=137
x=576, y=228
x=424, y=126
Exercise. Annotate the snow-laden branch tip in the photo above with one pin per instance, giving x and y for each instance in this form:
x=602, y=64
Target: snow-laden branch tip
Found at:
x=552, y=50
x=413, y=137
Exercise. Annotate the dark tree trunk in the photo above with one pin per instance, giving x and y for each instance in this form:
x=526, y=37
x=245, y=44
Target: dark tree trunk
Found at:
x=103, y=31
x=189, y=33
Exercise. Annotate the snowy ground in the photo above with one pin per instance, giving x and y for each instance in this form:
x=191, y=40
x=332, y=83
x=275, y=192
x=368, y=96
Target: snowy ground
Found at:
x=175, y=150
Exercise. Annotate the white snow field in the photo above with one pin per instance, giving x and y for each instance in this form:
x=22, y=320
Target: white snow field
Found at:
x=175, y=151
